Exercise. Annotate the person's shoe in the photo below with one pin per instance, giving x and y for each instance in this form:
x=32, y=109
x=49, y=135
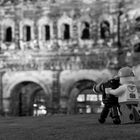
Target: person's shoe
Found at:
x=101, y=120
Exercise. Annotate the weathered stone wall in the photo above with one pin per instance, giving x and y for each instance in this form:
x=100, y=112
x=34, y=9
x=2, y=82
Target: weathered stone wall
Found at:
x=57, y=64
x=44, y=79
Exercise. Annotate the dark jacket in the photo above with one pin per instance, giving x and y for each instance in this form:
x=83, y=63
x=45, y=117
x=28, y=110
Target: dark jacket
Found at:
x=107, y=98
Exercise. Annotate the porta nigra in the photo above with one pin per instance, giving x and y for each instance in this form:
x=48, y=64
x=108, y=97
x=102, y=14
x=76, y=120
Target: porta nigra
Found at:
x=53, y=51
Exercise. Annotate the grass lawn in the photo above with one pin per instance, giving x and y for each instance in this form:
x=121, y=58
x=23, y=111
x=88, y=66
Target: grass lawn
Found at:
x=65, y=127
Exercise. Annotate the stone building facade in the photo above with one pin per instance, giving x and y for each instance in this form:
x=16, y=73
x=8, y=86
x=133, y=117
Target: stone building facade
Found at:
x=53, y=51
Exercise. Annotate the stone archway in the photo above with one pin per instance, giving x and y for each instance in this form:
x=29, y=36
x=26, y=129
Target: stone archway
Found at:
x=23, y=96
x=39, y=103
x=78, y=88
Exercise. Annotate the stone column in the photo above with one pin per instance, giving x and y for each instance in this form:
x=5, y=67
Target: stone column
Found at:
x=75, y=31
x=55, y=29
x=2, y=72
x=55, y=92
x=36, y=34
x=17, y=34
x=0, y=37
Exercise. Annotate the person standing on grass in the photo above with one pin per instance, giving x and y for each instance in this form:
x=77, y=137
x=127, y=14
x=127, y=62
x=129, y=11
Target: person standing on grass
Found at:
x=110, y=101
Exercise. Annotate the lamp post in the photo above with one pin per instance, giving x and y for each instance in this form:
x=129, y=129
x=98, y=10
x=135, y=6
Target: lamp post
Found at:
x=120, y=51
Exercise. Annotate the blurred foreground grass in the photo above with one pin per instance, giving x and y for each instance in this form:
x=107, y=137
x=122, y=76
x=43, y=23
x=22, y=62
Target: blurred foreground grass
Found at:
x=65, y=127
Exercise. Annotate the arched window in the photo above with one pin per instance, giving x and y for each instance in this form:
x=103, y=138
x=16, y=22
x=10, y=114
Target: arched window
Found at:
x=66, y=31
x=86, y=31
x=8, y=34
x=47, y=32
x=105, y=29
x=27, y=33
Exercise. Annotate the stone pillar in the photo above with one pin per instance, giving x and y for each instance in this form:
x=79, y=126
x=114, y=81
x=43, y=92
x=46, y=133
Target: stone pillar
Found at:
x=55, y=29
x=71, y=104
x=17, y=34
x=2, y=72
x=75, y=31
x=63, y=104
x=36, y=34
x=0, y=37
x=55, y=92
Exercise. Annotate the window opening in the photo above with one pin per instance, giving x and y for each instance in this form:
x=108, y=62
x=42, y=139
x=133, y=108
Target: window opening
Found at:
x=85, y=31
x=105, y=29
x=47, y=32
x=66, y=32
x=8, y=35
x=27, y=33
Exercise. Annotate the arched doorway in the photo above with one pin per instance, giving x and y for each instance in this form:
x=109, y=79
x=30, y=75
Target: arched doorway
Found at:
x=28, y=98
x=88, y=102
x=83, y=100
x=39, y=104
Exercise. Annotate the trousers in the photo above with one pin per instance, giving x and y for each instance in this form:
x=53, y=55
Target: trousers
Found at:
x=113, y=109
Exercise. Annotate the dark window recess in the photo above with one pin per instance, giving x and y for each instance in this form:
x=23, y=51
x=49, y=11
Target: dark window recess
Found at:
x=47, y=32
x=66, y=31
x=86, y=32
x=137, y=25
x=105, y=29
x=8, y=34
x=27, y=33
x=138, y=19
x=137, y=47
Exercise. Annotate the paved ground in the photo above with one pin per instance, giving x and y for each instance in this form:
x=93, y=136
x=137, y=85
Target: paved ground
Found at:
x=64, y=127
